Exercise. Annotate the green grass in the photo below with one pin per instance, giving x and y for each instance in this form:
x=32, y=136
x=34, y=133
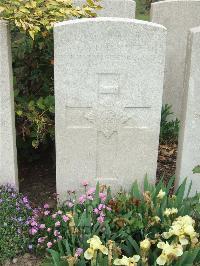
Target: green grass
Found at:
x=141, y=12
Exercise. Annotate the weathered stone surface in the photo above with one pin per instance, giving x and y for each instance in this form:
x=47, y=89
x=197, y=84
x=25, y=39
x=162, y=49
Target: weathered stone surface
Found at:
x=108, y=89
x=178, y=16
x=189, y=141
x=114, y=8
x=8, y=168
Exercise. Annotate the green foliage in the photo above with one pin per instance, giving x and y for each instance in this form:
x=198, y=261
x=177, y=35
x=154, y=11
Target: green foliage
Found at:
x=14, y=214
x=120, y=224
x=196, y=170
x=32, y=45
x=169, y=128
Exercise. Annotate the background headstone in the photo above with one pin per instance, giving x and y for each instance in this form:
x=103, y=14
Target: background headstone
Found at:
x=178, y=17
x=189, y=142
x=108, y=89
x=8, y=165
x=113, y=8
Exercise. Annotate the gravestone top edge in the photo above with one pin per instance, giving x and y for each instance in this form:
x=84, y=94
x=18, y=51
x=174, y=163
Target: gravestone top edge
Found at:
x=108, y=19
x=172, y=1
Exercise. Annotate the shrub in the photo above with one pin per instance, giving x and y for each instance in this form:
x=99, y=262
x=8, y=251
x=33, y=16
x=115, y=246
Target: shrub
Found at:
x=132, y=228
x=32, y=45
x=169, y=128
x=15, y=212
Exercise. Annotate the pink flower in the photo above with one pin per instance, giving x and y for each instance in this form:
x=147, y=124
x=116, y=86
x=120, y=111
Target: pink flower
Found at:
x=108, y=208
x=85, y=183
x=101, y=206
x=49, y=244
x=46, y=206
x=57, y=224
x=65, y=218
x=42, y=226
x=96, y=211
x=82, y=199
x=41, y=240
x=60, y=237
x=91, y=191
x=33, y=231
x=54, y=216
x=46, y=213
x=100, y=219
x=90, y=197
x=59, y=212
x=56, y=233
x=33, y=223
x=102, y=196
x=70, y=204
x=49, y=229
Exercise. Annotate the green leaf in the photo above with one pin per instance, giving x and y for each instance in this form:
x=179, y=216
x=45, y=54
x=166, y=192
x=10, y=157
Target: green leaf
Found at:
x=55, y=256
x=196, y=170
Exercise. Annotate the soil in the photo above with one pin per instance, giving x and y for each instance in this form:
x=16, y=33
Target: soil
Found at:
x=38, y=178
x=25, y=260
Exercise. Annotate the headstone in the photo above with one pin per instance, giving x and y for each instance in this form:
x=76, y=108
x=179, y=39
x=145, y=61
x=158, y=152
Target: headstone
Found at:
x=108, y=89
x=8, y=168
x=178, y=16
x=113, y=8
x=189, y=142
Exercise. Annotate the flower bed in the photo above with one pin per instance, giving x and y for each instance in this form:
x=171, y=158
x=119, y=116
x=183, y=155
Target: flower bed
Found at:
x=134, y=228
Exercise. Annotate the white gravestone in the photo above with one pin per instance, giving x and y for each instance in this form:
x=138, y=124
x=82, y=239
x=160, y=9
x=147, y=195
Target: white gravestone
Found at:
x=178, y=16
x=108, y=89
x=113, y=8
x=189, y=141
x=8, y=165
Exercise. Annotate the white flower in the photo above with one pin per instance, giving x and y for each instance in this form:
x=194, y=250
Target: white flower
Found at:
x=161, y=194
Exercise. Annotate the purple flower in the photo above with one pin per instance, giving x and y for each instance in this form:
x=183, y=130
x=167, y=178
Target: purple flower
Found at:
x=46, y=206
x=78, y=252
x=46, y=213
x=25, y=199
x=33, y=223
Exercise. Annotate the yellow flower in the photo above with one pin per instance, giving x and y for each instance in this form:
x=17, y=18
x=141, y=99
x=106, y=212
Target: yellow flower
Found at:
x=95, y=245
x=94, y=242
x=127, y=261
x=156, y=219
x=89, y=253
x=103, y=249
x=161, y=194
x=183, y=228
x=169, y=252
x=171, y=211
x=145, y=244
